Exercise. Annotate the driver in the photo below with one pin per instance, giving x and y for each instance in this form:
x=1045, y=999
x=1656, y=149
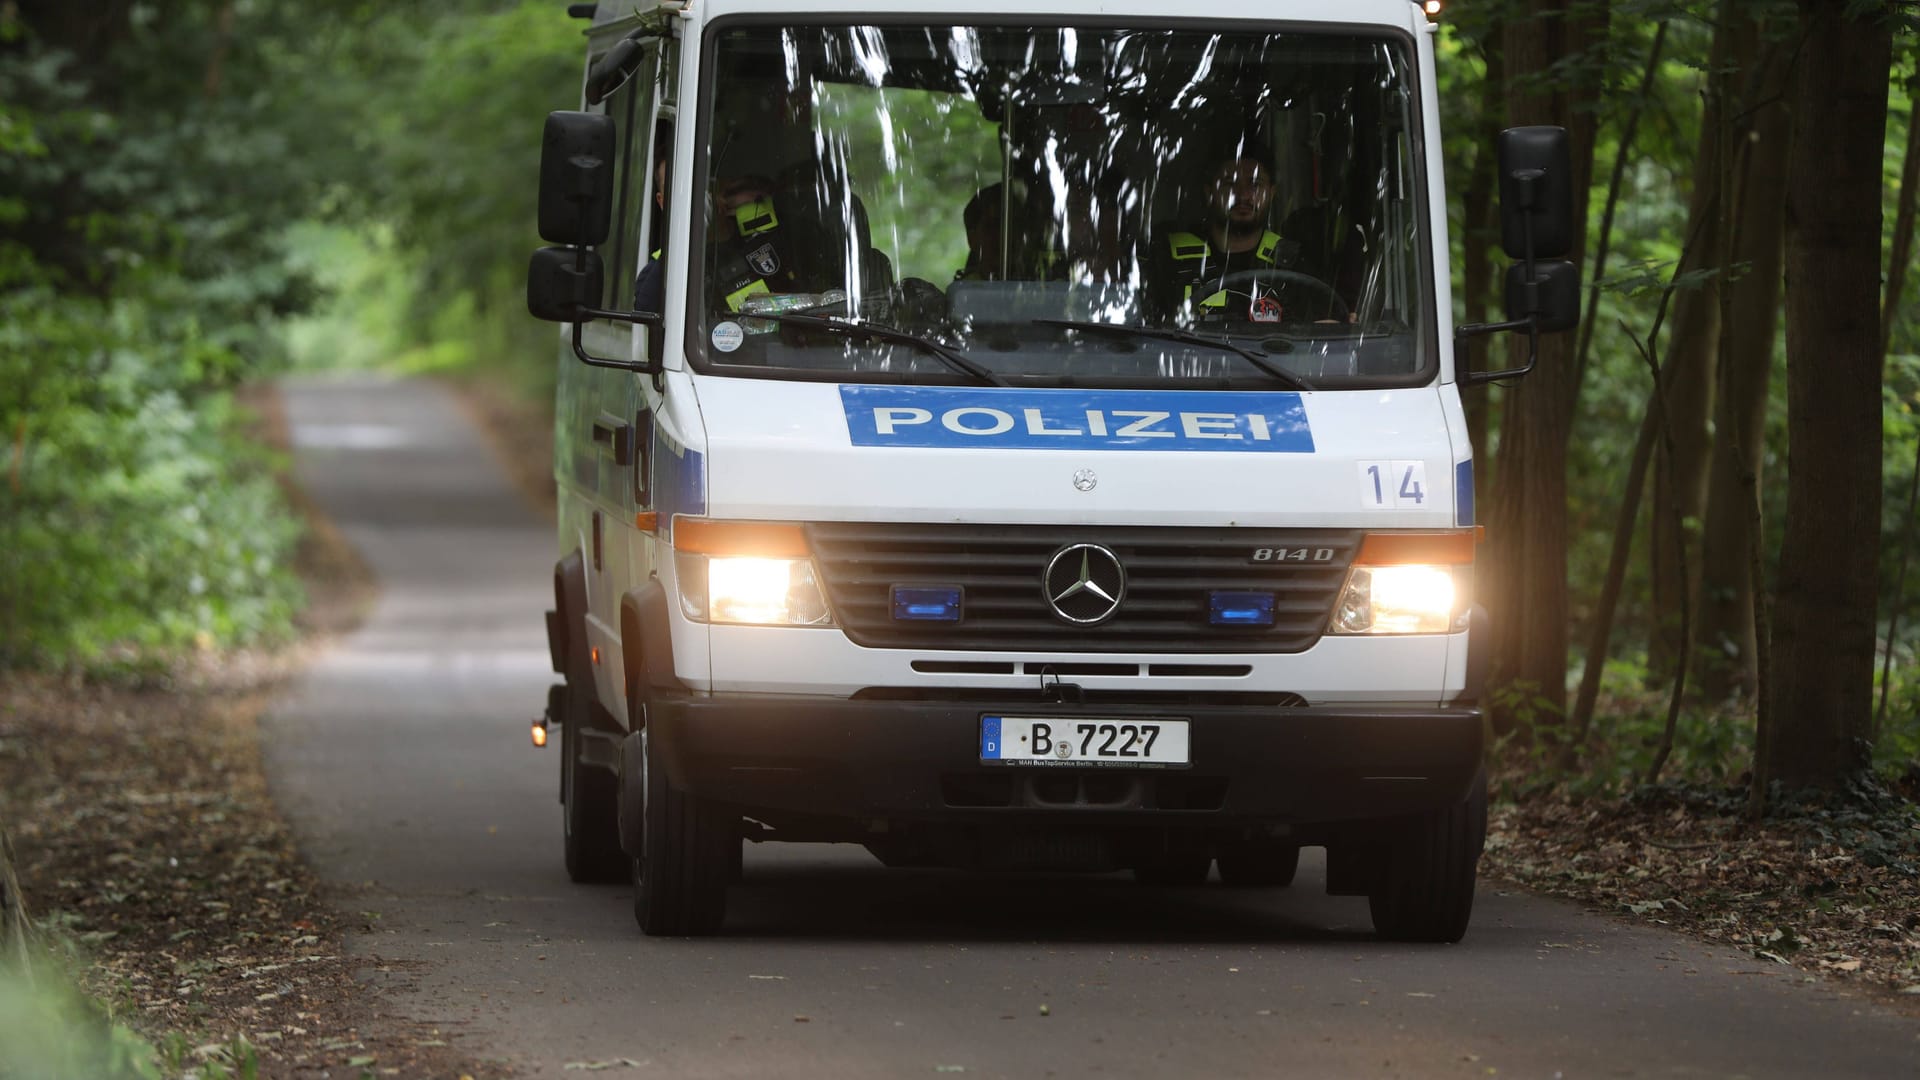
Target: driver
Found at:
x=1194, y=264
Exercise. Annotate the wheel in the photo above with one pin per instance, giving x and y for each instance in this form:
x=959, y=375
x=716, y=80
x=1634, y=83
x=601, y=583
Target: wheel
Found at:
x=1259, y=864
x=1246, y=281
x=1424, y=891
x=680, y=882
x=588, y=797
x=1174, y=868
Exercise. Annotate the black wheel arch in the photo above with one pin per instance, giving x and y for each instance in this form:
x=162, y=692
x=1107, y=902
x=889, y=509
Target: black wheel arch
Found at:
x=646, y=641
x=567, y=628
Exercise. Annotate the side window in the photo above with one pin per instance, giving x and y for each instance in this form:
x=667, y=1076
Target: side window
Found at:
x=649, y=285
x=631, y=107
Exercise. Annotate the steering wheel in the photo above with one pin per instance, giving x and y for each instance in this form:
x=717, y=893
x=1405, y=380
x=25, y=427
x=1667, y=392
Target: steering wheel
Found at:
x=1247, y=281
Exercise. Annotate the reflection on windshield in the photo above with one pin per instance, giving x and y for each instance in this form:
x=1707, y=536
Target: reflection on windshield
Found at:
x=976, y=186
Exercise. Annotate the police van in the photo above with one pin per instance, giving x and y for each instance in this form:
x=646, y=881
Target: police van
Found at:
x=1021, y=437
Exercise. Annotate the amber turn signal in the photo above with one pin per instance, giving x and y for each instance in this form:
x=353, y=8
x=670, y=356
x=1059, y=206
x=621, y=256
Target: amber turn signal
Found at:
x=539, y=734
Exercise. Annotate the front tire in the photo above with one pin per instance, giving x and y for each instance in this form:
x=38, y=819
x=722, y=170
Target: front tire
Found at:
x=680, y=883
x=1424, y=891
x=588, y=797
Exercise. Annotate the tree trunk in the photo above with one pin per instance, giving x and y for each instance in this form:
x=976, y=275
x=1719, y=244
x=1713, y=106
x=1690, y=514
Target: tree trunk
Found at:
x=216, y=72
x=1528, y=597
x=1824, y=635
x=1680, y=473
x=1902, y=252
x=1724, y=641
x=1482, y=225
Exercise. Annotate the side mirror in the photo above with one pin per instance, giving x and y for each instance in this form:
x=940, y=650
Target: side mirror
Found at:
x=576, y=179
x=615, y=68
x=563, y=284
x=1536, y=227
x=1551, y=296
x=1536, y=193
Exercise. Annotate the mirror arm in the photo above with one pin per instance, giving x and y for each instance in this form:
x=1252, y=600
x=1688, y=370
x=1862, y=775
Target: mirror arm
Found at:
x=643, y=367
x=1477, y=378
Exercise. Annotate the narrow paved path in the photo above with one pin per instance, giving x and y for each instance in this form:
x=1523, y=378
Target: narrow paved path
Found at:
x=402, y=759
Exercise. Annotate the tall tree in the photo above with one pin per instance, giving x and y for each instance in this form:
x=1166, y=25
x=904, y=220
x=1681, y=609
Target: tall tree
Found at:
x=1761, y=128
x=1482, y=229
x=1823, y=638
x=1681, y=454
x=1548, y=47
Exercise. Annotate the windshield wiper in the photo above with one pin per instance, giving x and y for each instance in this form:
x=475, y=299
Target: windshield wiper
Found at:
x=1255, y=357
x=880, y=332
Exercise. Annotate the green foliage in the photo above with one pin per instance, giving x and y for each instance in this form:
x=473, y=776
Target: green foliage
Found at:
x=132, y=516
x=430, y=214
x=1712, y=746
x=140, y=273
x=52, y=1031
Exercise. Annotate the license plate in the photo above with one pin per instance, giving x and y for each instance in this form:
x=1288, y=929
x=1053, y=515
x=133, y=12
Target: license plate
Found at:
x=1057, y=740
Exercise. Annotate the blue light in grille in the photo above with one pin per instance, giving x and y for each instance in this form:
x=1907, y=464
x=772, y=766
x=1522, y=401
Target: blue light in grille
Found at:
x=1240, y=608
x=922, y=604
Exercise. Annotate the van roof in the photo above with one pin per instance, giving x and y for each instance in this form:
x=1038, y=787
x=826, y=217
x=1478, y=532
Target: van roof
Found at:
x=607, y=12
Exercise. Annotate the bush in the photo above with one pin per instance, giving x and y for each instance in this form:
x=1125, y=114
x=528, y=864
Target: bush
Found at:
x=132, y=516
x=134, y=522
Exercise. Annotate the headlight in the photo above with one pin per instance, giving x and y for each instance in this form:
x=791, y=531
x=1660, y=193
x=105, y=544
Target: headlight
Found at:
x=1417, y=599
x=750, y=589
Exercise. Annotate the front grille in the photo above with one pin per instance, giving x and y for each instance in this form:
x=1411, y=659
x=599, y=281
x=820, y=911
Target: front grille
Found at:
x=1170, y=571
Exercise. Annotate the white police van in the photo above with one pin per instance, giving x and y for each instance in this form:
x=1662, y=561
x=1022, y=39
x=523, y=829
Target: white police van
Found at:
x=1020, y=436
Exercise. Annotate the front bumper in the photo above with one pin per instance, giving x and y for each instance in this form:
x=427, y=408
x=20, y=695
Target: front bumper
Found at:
x=918, y=761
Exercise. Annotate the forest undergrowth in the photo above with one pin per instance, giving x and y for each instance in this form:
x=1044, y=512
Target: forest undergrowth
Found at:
x=1826, y=886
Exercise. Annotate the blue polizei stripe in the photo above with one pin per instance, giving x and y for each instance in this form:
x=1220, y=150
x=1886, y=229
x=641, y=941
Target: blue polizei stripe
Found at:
x=1018, y=419
x=1463, y=493
x=679, y=481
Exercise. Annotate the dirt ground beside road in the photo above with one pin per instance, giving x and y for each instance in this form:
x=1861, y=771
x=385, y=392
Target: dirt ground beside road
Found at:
x=146, y=834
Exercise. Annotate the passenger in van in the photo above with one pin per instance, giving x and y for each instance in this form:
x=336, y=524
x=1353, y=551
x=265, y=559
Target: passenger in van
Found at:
x=1085, y=244
x=982, y=220
x=752, y=249
x=765, y=241
x=1079, y=242
x=1235, y=238
x=649, y=287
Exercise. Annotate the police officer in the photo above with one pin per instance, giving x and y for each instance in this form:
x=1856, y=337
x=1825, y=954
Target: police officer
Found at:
x=753, y=253
x=1194, y=264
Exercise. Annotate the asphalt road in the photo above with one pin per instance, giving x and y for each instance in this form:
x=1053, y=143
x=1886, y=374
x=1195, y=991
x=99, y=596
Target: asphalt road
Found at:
x=403, y=761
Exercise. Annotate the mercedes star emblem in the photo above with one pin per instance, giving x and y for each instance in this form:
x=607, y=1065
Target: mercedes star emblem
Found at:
x=1084, y=583
x=1084, y=480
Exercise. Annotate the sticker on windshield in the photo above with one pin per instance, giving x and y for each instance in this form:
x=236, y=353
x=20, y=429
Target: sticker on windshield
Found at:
x=930, y=416
x=727, y=336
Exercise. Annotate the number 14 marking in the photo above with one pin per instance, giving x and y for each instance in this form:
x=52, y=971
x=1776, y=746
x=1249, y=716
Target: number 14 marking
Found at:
x=1388, y=485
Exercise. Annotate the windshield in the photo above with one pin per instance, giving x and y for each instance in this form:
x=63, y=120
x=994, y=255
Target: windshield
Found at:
x=1233, y=209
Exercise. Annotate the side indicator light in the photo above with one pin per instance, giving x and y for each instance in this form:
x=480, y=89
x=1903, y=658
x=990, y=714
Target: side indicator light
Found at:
x=764, y=539
x=539, y=734
x=1451, y=547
